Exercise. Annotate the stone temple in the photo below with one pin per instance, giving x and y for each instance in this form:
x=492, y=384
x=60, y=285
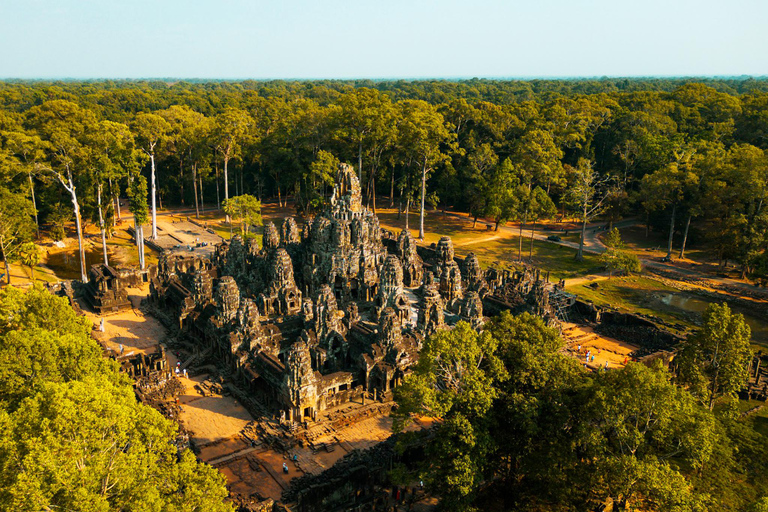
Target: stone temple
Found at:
x=332, y=311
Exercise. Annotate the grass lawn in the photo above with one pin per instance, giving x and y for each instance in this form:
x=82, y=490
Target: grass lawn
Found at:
x=655, y=244
x=500, y=247
x=635, y=295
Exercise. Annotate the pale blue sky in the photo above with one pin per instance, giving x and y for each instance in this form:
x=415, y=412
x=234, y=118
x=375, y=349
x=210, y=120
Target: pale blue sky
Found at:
x=381, y=39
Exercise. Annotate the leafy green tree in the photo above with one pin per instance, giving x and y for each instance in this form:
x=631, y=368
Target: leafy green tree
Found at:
x=246, y=209
x=453, y=380
x=502, y=191
x=666, y=188
x=115, y=157
x=423, y=133
x=63, y=129
x=715, y=361
x=137, y=195
x=88, y=445
x=616, y=255
x=29, y=255
x=588, y=192
x=640, y=430
x=16, y=226
x=540, y=206
x=151, y=130
x=230, y=130
x=72, y=435
x=480, y=165
x=321, y=174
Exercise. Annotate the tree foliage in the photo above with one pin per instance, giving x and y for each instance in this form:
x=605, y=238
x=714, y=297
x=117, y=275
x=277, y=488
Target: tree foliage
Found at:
x=72, y=434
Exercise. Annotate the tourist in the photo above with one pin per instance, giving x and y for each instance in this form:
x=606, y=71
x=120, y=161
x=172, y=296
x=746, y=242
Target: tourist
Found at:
x=101, y=325
x=285, y=467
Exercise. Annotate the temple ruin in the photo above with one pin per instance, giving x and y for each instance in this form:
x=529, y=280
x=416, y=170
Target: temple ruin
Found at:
x=334, y=310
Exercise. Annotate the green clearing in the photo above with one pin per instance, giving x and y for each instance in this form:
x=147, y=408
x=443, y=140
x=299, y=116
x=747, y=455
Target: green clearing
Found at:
x=492, y=247
x=634, y=295
x=655, y=244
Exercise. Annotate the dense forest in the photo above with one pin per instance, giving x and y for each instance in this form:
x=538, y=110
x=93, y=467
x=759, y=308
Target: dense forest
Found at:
x=523, y=427
x=687, y=156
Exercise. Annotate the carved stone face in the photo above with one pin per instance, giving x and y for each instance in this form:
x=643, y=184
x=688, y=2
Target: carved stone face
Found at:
x=445, y=250
x=271, y=239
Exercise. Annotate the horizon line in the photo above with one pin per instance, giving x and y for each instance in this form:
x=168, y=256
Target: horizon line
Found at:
x=391, y=78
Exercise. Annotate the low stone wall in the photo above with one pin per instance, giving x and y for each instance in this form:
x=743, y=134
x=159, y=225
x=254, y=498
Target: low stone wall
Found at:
x=355, y=482
x=647, y=333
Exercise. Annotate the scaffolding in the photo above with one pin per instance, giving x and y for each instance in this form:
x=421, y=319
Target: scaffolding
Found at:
x=561, y=303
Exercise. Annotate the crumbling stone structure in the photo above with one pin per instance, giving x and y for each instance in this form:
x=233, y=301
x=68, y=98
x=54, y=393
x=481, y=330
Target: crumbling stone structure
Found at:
x=106, y=290
x=527, y=290
x=409, y=256
x=391, y=294
x=323, y=313
x=344, y=247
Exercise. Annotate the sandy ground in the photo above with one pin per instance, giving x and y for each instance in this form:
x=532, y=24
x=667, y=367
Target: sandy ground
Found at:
x=132, y=329
x=605, y=350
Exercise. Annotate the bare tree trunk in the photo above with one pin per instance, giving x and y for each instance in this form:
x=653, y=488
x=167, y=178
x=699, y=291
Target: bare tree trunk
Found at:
x=116, y=217
x=194, y=190
x=181, y=180
x=580, y=253
x=138, y=230
x=423, y=194
x=279, y=197
x=520, y=236
x=34, y=203
x=360, y=160
x=373, y=189
x=101, y=225
x=226, y=184
x=685, y=237
x=202, y=197
x=671, y=232
x=530, y=251
x=79, y=228
x=5, y=262
x=218, y=194
x=407, y=209
x=392, y=189
x=154, y=193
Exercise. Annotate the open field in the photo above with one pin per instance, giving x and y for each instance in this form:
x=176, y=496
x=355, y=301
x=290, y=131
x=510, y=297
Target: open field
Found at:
x=491, y=247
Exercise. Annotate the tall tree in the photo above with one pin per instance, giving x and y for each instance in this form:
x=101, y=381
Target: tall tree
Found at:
x=151, y=130
x=588, y=192
x=114, y=159
x=424, y=133
x=230, y=130
x=15, y=226
x=63, y=128
x=540, y=207
x=137, y=195
x=715, y=361
x=666, y=188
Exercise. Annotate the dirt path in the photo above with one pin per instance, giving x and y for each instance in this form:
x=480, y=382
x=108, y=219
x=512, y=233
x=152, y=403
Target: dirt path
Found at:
x=480, y=241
